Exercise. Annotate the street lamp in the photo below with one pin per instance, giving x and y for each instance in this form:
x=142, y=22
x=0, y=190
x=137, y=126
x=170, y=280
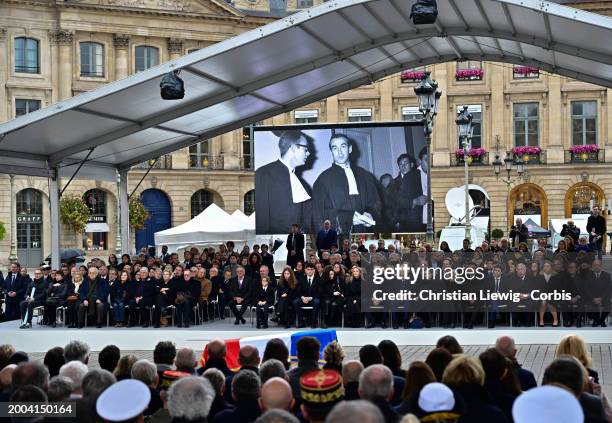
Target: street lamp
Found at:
x=464, y=129
x=428, y=96
x=508, y=165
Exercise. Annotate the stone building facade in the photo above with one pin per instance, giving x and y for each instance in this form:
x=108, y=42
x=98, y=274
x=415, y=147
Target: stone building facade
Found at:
x=51, y=50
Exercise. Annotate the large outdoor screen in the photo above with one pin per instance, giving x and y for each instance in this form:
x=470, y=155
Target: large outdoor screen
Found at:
x=364, y=178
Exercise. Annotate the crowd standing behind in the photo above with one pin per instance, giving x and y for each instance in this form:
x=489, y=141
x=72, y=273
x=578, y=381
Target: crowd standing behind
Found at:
x=323, y=289
x=448, y=387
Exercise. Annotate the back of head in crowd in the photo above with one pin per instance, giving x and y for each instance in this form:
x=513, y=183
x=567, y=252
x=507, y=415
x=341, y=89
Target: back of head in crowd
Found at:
x=54, y=360
x=76, y=350
x=308, y=348
x=357, y=411
x=451, y=344
x=109, y=357
x=164, y=353
x=190, y=399
x=370, y=355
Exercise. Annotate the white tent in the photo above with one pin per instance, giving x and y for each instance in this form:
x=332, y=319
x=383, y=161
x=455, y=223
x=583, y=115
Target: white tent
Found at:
x=211, y=226
x=243, y=220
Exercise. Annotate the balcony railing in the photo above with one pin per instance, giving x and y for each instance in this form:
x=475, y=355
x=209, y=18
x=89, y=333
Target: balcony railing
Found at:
x=572, y=156
x=163, y=162
x=205, y=162
x=481, y=160
x=531, y=158
x=411, y=76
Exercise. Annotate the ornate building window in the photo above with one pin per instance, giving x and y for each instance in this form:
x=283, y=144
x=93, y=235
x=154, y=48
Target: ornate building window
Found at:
x=249, y=202
x=526, y=124
x=581, y=198
x=199, y=155
x=199, y=201
x=26, y=55
x=146, y=57
x=476, y=111
x=95, y=236
x=528, y=201
x=306, y=116
x=584, y=122
x=469, y=70
x=359, y=115
x=23, y=107
x=92, y=59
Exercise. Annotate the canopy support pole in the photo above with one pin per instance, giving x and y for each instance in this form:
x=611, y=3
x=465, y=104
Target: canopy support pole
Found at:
x=77, y=170
x=54, y=195
x=124, y=212
x=151, y=164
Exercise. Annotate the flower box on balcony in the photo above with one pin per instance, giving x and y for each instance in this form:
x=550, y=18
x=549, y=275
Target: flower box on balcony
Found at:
x=411, y=76
x=525, y=72
x=474, y=156
x=527, y=155
x=469, y=75
x=584, y=153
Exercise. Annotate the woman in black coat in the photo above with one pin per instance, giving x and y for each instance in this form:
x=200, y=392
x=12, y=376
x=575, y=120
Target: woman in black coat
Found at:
x=352, y=296
x=56, y=297
x=333, y=296
x=286, y=292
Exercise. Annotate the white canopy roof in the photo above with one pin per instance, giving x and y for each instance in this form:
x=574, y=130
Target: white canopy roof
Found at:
x=243, y=219
x=213, y=225
x=305, y=57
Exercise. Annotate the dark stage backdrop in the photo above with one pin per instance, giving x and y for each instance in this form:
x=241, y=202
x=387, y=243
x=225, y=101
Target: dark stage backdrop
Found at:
x=383, y=194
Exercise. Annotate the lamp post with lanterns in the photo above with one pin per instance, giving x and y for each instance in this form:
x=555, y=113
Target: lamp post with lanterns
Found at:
x=464, y=129
x=428, y=97
x=508, y=165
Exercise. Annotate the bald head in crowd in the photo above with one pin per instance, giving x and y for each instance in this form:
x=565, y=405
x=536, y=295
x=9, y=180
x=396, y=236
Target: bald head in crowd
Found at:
x=217, y=348
x=249, y=356
x=376, y=383
x=506, y=346
x=276, y=393
x=351, y=370
x=185, y=360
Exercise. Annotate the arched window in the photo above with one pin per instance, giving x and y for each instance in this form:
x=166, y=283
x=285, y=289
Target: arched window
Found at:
x=528, y=201
x=199, y=201
x=26, y=55
x=92, y=59
x=146, y=57
x=95, y=236
x=249, y=202
x=581, y=198
x=29, y=209
x=29, y=202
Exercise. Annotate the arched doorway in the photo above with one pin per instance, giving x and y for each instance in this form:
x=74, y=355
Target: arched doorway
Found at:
x=160, y=217
x=29, y=226
x=528, y=201
x=580, y=198
x=203, y=198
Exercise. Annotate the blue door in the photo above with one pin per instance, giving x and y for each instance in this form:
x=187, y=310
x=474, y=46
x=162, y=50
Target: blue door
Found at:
x=157, y=204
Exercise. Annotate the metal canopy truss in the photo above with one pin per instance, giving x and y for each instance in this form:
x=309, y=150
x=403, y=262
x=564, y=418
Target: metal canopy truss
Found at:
x=289, y=63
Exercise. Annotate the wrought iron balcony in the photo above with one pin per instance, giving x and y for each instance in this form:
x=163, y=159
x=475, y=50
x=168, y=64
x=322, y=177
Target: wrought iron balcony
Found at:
x=578, y=155
x=457, y=160
x=163, y=162
x=205, y=162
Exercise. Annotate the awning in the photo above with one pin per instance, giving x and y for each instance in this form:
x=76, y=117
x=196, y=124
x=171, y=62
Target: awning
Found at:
x=97, y=227
x=291, y=63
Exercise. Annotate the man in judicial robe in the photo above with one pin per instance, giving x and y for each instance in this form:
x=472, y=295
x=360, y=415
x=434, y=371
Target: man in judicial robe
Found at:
x=347, y=194
x=282, y=198
x=402, y=191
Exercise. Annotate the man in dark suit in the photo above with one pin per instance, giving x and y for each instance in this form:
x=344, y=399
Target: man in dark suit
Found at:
x=596, y=227
x=35, y=297
x=93, y=296
x=521, y=283
x=142, y=295
x=309, y=295
x=240, y=292
x=326, y=237
x=600, y=291
x=15, y=287
x=267, y=258
x=519, y=232
x=295, y=246
x=282, y=197
x=401, y=192
x=264, y=296
x=497, y=283
x=347, y=194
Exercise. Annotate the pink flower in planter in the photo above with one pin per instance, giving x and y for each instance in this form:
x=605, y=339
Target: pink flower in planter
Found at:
x=525, y=70
x=412, y=75
x=469, y=73
x=589, y=148
x=521, y=151
x=473, y=152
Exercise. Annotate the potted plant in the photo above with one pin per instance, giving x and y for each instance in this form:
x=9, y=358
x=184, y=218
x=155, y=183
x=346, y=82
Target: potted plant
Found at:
x=527, y=154
x=525, y=72
x=74, y=212
x=469, y=74
x=497, y=233
x=411, y=76
x=585, y=153
x=138, y=214
x=475, y=155
x=2, y=231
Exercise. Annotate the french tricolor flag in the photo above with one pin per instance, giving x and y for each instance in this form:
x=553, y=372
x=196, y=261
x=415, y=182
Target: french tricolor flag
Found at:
x=325, y=337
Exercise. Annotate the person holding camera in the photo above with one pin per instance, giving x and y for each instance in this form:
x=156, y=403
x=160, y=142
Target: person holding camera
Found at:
x=596, y=227
x=571, y=230
x=518, y=232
